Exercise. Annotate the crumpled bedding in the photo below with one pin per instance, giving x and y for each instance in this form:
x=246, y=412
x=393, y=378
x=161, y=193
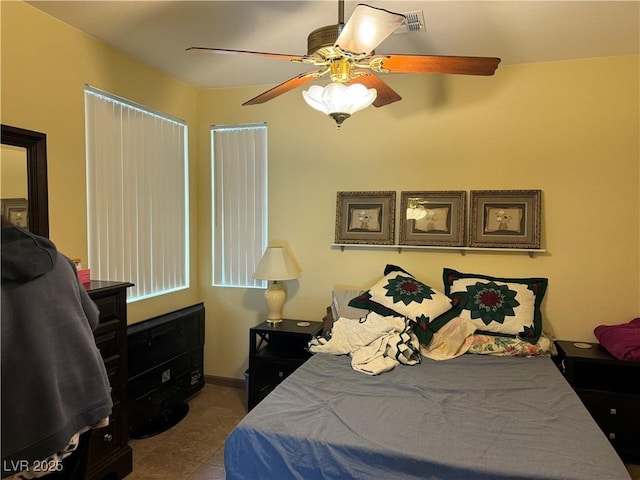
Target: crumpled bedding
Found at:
x=375, y=343
x=622, y=341
x=451, y=341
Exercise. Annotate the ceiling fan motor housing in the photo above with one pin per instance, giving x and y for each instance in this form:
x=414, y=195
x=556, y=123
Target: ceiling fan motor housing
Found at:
x=323, y=37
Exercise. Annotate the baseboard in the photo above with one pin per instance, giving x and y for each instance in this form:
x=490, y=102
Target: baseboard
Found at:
x=224, y=381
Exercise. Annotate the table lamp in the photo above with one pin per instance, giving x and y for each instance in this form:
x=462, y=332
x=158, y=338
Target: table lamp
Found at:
x=276, y=265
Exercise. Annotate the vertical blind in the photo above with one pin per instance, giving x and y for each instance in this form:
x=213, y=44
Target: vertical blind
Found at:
x=137, y=196
x=239, y=184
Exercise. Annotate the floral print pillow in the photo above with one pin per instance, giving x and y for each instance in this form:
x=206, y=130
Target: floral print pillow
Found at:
x=400, y=293
x=404, y=294
x=500, y=306
x=514, y=347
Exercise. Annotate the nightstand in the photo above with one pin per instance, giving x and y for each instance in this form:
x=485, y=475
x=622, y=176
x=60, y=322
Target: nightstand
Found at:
x=610, y=389
x=276, y=351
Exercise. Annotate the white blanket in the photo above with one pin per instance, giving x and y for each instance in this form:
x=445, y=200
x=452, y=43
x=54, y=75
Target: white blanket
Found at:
x=376, y=343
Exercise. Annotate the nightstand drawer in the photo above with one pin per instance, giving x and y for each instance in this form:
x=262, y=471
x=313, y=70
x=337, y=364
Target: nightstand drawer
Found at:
x=275, y=371
x=619, y=419
x=611, y=408
x=616, y=414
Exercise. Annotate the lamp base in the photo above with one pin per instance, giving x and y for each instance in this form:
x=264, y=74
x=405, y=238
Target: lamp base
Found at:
x=275, y=297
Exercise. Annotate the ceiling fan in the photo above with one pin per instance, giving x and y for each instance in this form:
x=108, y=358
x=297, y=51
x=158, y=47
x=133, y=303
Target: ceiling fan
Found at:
x=346, y=53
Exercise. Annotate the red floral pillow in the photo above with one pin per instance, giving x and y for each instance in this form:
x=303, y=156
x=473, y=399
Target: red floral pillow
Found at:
x=498, y=306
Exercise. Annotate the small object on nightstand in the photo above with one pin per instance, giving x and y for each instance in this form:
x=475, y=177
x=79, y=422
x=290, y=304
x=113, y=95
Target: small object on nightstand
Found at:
x=276, y=351
x=585, y=346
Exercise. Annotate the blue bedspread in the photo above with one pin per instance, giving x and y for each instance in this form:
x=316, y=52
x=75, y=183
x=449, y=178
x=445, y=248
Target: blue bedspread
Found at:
x=472, y=417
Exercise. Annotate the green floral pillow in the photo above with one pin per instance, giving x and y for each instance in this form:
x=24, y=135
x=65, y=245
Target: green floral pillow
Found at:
x=401, y=292
x=498, y=306
x=428, y=309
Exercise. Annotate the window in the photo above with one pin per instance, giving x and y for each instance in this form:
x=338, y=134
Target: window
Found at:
x=137, y=196
x=239, y=186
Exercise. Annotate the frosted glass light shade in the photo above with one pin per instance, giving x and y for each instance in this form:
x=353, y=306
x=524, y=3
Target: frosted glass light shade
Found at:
x=339, y=100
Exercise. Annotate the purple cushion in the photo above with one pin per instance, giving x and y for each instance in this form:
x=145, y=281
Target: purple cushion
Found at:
x=622, y=341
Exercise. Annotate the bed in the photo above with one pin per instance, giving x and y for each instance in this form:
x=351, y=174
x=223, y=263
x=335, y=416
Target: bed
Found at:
x=471, y=416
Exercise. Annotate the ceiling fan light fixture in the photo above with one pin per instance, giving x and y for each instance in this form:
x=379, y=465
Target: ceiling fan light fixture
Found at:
x=338, y=100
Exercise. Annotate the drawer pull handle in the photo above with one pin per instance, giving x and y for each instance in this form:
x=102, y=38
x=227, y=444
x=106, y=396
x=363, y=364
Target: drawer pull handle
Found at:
x=108, y=437
x=613, y=411
x=280, y=374
x=612, y=436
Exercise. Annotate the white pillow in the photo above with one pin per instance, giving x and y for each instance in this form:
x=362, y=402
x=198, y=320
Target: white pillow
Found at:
x=340, y=305
x=404, y=294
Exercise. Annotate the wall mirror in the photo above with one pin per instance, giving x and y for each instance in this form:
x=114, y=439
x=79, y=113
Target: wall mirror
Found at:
x=25, y=197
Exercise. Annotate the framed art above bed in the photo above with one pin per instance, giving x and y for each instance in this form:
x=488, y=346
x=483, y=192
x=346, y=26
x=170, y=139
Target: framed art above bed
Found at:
x=433, y=218
x=505, y=218
x=365, y=217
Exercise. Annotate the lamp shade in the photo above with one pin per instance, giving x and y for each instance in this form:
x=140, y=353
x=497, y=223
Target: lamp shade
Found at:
x=276, y=264
x=339, y=100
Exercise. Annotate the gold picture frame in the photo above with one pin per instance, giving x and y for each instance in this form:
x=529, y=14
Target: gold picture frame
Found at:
x=365, y=218
x=505, y=218
x=433, y=218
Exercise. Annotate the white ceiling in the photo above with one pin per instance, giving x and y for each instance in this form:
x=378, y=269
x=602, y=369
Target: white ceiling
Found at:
x=157, y=32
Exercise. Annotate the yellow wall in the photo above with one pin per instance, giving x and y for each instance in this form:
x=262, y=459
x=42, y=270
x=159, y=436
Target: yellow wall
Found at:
x=569, y=128
x=44, y=66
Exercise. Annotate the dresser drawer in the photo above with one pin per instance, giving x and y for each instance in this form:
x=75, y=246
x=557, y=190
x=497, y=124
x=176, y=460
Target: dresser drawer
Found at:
x=105, y=441
x=108, y=343
x=115, y=379
x=108, y=307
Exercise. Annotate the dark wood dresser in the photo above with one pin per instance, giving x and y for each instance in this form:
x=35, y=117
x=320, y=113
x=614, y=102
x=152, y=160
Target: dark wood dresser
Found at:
x=110, y=456
x=610, y=389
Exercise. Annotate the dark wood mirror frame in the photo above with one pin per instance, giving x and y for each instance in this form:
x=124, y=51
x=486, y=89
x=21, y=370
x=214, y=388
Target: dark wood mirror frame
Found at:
x=38, y=202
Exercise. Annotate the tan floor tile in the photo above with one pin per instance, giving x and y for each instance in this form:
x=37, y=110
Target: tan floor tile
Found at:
x=209, y=472
x=217, y=458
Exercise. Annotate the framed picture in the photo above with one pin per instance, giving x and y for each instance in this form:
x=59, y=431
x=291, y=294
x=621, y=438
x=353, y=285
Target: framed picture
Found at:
x=433, y=218
x=15, y=210
x=365, y=217
x=505, y=218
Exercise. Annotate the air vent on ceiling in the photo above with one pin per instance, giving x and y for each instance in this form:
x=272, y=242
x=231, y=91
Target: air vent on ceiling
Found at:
x=413, y=24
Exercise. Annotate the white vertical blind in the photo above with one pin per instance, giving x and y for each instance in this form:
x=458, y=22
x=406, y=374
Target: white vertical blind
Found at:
x=137, y=196
x=239, y=185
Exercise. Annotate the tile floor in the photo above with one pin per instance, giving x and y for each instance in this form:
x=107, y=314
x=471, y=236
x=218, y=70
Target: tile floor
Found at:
x=194, y=448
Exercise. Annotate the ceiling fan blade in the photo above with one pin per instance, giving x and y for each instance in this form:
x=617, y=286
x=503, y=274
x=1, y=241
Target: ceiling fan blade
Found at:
x=225, y=51
x=367, y=28
x=284, y=87
x=440, y=64
x=386, y=94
